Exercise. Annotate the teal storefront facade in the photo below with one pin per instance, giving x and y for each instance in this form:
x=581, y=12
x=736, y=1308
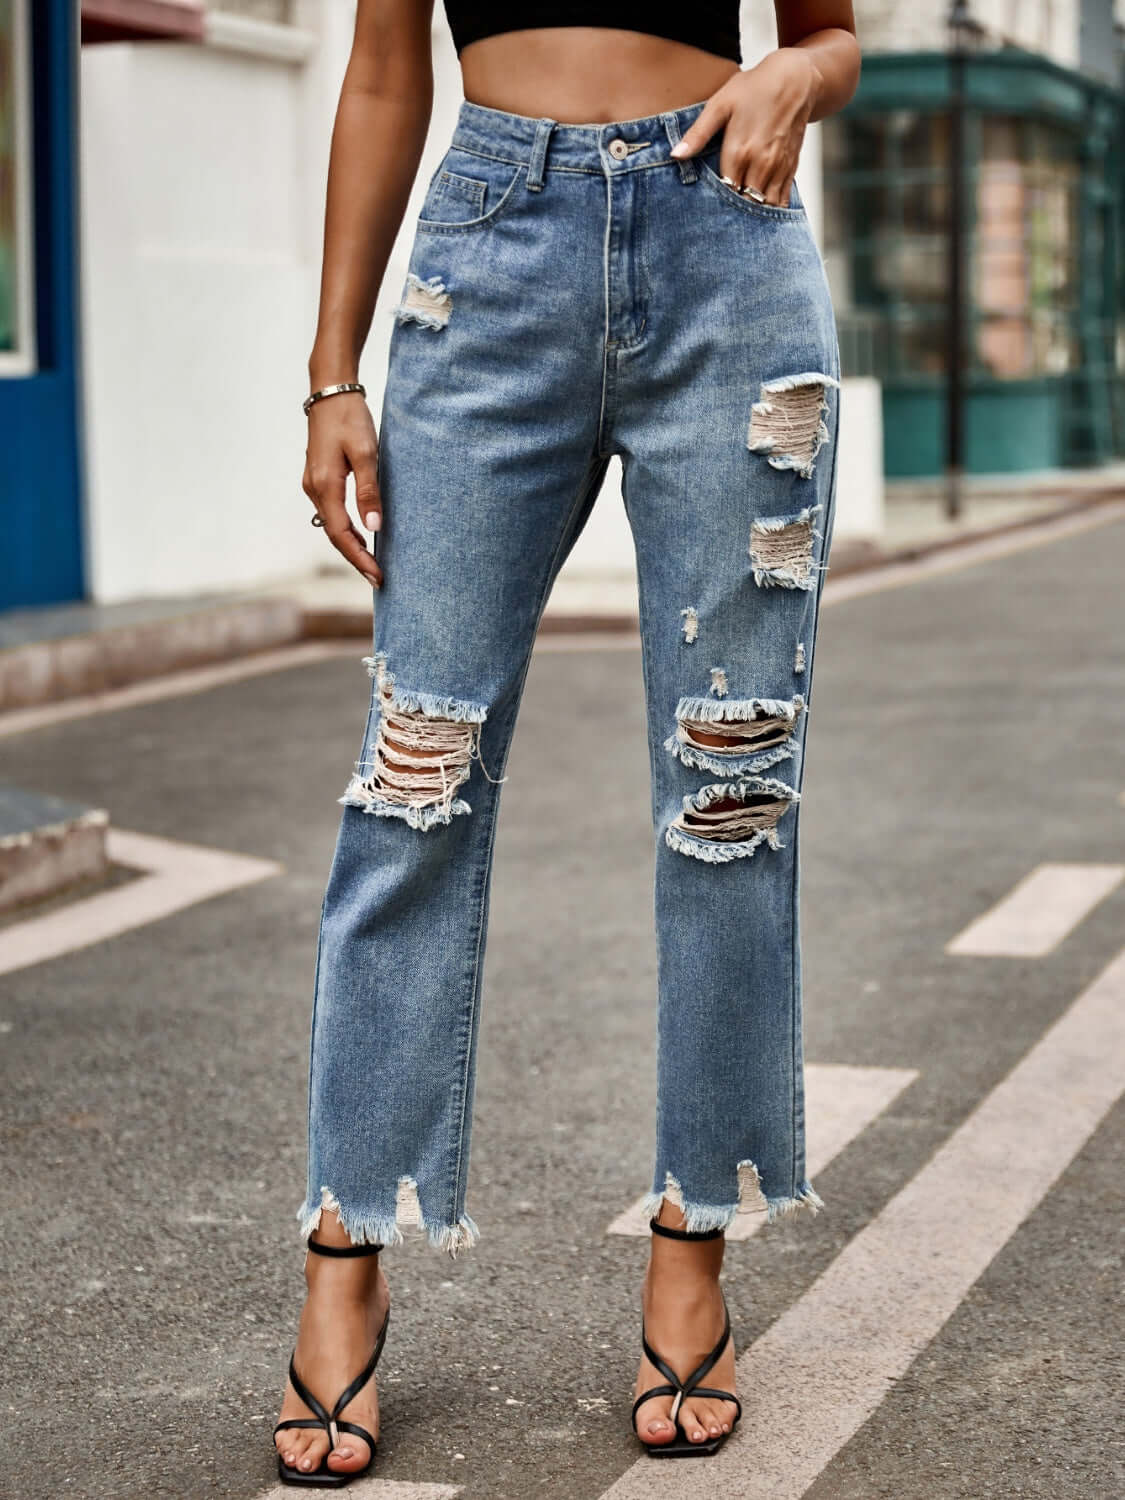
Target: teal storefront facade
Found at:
x=1045, y=310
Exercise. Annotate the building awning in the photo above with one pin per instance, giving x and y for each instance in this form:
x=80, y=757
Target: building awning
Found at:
x=134, y=20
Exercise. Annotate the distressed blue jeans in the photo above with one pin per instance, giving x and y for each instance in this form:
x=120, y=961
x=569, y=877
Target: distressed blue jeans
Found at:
x=575, y=292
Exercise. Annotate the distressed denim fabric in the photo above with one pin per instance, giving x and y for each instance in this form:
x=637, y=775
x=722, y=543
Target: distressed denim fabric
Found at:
x=575, y=292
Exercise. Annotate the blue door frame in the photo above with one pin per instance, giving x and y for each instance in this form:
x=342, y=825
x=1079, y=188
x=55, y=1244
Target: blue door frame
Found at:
x=41, y=510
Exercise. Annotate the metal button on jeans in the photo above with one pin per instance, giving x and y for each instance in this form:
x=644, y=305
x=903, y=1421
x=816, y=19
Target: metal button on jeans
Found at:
x=618, y=148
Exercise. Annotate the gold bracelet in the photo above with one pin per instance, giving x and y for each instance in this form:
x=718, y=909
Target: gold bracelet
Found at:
x=330, y=390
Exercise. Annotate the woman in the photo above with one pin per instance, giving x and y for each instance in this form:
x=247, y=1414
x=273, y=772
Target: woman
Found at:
x=612, y=257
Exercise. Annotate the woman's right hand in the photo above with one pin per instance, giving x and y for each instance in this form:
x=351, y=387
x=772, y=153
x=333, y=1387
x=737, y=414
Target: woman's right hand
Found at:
x=342, y=440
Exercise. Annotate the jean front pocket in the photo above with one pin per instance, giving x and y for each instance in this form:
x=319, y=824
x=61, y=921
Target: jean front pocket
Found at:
x=708, y=165
x=468, y=191
x=455, y=197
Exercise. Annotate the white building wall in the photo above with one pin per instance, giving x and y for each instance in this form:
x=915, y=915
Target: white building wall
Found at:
x=198, y=296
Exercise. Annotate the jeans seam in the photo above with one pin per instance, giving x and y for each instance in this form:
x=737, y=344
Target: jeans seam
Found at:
x=312, y=1048
x=480, y=891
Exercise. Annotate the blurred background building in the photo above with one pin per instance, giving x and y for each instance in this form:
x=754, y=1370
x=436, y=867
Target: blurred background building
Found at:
x=1045, y=180
x=162, y=171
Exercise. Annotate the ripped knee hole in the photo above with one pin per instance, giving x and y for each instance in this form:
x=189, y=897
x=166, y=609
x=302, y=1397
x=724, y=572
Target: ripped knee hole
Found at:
x=731, y=819
x=422, y=754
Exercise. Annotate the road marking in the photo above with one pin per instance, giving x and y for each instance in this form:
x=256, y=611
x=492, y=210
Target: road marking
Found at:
x=1039, y=912
x=379, y=1489
x=178, y=875
x=841, y=1101
x=817, y=1373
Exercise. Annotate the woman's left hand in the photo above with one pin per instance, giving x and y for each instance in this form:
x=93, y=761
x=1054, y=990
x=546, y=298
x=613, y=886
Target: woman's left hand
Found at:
x=762, y=112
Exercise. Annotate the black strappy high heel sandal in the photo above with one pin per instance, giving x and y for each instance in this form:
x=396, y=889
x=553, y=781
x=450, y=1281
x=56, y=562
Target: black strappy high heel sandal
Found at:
x=682, y=1446
x=329, y=1420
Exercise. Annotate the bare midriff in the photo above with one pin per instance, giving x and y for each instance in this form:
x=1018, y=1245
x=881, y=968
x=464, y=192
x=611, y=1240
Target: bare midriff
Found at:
x=581, y=75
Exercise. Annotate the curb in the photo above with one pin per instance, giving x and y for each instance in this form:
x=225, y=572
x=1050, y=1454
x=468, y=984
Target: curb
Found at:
x=46, y=671
x=46, y=845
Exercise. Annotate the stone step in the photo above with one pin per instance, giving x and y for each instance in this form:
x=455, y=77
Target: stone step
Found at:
x=47, y=844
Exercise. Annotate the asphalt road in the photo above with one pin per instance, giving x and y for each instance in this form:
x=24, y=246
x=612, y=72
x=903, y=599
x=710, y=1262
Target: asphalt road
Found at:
x=965, y=729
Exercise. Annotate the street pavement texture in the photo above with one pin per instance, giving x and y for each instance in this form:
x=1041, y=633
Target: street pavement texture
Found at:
x=966, y=730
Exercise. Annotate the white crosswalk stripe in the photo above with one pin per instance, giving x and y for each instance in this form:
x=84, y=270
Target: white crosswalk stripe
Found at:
x=1038, y=913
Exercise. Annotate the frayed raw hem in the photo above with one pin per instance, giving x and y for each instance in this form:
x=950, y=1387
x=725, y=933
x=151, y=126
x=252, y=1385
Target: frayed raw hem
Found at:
x=421, y=818
x=376, y=1229
x=703, y=1216
x=808, y=1198
x=458, y=710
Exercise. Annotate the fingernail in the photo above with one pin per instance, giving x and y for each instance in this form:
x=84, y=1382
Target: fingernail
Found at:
x=679, y=149
x=374, y=521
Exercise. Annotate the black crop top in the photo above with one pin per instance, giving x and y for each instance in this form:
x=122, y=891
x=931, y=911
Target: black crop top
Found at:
x=710, y=24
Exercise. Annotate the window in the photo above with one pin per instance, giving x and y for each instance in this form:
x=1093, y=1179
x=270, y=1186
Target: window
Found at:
x=17, y=354
x=886, y=233
x=1026, y=268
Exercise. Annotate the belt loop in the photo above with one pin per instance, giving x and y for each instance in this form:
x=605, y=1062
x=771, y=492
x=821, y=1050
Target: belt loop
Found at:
x=688, y=171
x=538, y=157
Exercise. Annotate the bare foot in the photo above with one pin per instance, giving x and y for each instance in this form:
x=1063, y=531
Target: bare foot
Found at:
x=683, y=1312
x=347, y=1300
